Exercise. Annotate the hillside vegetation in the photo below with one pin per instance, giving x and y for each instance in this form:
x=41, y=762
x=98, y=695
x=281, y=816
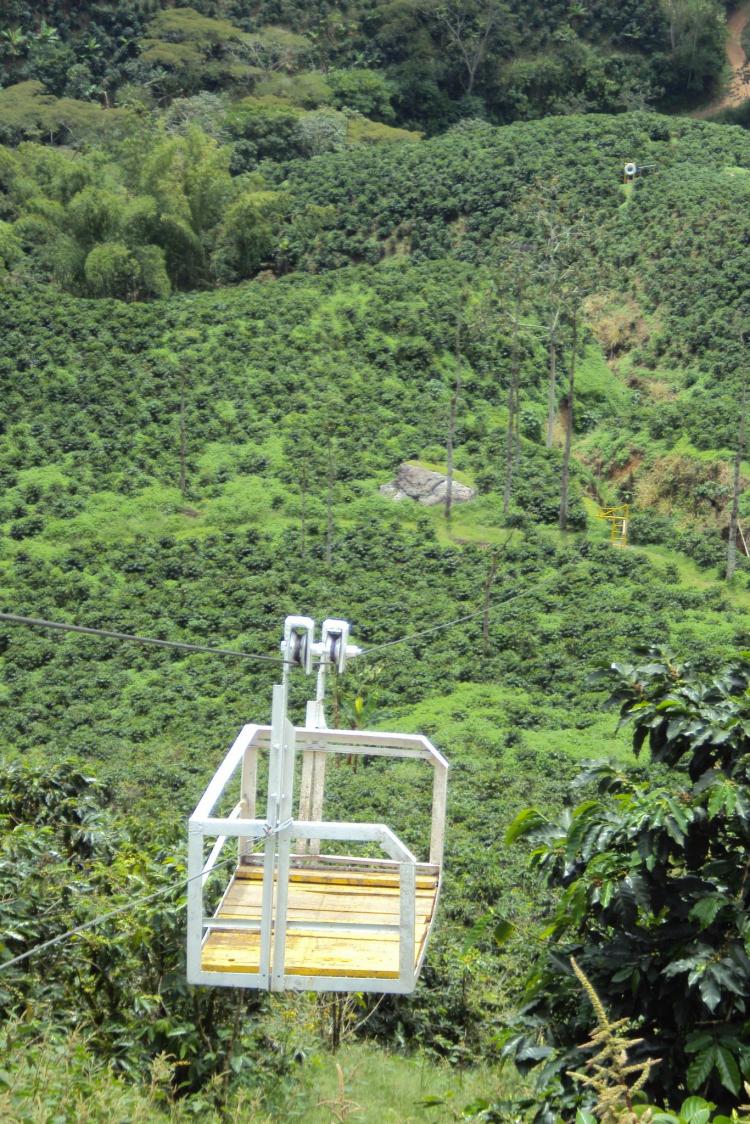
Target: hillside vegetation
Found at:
x=239, y=286
x=409, y=62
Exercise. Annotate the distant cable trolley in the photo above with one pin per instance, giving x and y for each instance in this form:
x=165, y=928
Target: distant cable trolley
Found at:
x=632, y=170
x=292, y=916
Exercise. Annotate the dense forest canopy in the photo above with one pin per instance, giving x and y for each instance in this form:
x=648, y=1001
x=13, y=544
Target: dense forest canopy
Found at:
x=420, y=64
x=253, y=258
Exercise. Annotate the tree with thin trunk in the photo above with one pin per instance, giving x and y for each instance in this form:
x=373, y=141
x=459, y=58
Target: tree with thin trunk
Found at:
x=469, y=27
x=553, y=327
x=517, y=266
x=734, y=518
x=330, y=484
x=451, y=436
x=183, y=435
x=489, y=581
x=303, y=512
x=453, y=404
x=301, y=469
x=555, y=243
x=512, y=438
x=504, y=304
x=570, y=404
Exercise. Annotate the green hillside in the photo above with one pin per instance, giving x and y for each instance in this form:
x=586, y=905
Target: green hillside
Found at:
x=253, y=258
x=407, y=62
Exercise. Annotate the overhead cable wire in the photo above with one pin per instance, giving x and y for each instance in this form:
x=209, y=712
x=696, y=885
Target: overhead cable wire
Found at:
x=469, y=616
x=13, y=618
x=268, y=832
x=62, y=626
x=106, y=917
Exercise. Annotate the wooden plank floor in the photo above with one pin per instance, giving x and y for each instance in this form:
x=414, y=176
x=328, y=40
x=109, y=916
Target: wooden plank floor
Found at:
x=355, y=898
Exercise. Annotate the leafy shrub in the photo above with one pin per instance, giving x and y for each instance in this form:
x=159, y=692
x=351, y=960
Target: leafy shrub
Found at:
x=654, y=893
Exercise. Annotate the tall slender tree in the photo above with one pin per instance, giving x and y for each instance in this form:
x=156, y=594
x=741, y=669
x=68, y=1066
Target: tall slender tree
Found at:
x=555, y=241
x=569, y=409
x=734, y=517
x=458, y=356
x=469, y=28
x=331, y=477
x=515, y=265
x=183, y=434
x=512, y=439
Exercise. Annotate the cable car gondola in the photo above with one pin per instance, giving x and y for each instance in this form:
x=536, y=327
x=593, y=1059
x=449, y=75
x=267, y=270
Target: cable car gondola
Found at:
x=293, y=917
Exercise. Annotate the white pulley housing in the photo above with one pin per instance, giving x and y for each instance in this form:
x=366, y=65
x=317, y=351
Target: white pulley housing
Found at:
x=335, y=637
x=298, y=641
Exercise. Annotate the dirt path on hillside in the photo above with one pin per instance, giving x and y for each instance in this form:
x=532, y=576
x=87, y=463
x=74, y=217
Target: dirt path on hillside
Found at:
x=738, y=89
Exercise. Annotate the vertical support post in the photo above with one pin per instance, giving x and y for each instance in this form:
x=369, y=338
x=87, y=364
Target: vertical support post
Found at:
x=312, y=787
x=318, y=793
x=194, y=903
x=248, y=794
x=408, y=904
x=318, y=759
x=283, y=847
x=306, y=780
x=278, y=717
x=439, y=799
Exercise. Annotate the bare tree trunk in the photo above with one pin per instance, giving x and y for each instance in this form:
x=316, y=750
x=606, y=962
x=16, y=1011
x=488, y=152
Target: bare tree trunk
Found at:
x=303, y=515
x=330, y=481
x=735, y=514
x=510, y=443
x=488, y=583
x=183, y=436
x=449, y=448
x=565, y=476
x=471, y=44
x=517, y=436
x=512, y=430
x=452, y=415
x=552, y=386
x=670, y=11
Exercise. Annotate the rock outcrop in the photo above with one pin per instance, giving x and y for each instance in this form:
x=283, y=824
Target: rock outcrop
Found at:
x=425, y=486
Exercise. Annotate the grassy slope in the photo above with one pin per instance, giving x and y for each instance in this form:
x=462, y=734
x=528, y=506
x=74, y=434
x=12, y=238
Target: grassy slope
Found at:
x=513, y=726
x=373, y=1086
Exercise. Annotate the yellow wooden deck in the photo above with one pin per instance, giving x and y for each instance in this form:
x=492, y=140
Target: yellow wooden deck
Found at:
x=315, y=895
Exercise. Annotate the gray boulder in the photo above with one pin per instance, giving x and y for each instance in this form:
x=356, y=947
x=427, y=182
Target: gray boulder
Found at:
x=425, y=486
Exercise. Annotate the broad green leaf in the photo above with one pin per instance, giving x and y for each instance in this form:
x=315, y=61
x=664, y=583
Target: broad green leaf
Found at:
x=700, y=1067
x=695, y=1110
x=727, y=1069
x=526, y=821
x=469, y=1111
x=503, y=931
x=705, y=910
x=709, y=989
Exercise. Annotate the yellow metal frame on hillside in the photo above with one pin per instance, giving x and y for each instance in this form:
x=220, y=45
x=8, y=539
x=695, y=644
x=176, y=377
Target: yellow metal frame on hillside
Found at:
x=618, y=519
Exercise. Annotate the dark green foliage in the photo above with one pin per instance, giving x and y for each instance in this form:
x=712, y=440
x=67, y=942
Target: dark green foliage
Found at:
x=432, y=64
x=655, y=892
x=67, y=859
x=176, y=217
x=169, y=467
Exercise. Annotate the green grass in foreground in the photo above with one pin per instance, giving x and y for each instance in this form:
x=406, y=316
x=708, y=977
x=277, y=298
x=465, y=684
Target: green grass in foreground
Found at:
x=61, y=1080
x=378, y=1087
